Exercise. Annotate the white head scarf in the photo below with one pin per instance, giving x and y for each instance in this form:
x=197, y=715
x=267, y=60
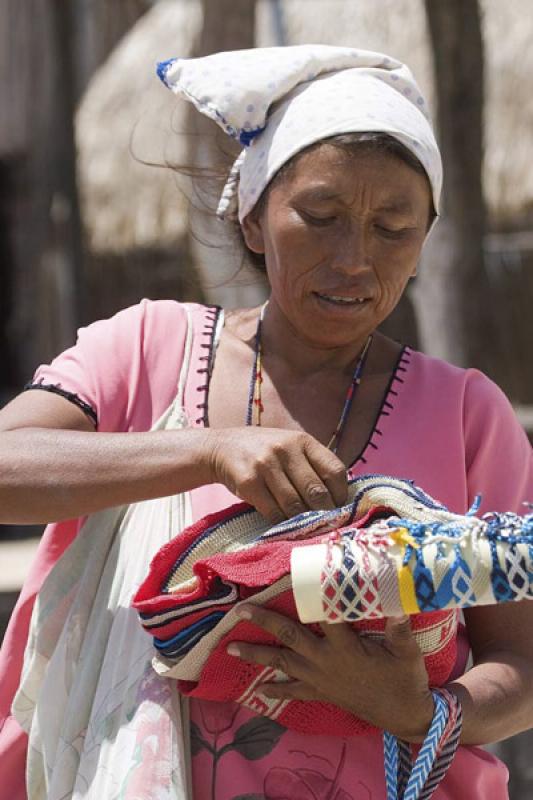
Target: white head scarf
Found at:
x=276, y=101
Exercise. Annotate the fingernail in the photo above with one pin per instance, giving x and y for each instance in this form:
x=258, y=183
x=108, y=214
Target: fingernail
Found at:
x=233, y=649
x=243, y=612
x=399, y=620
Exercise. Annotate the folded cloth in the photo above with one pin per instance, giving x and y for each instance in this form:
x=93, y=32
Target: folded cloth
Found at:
x=195, y=582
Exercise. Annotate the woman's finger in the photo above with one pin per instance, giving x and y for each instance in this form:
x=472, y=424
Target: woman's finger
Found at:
x=399, y=637
x=287, y=631
x=299, y=488
x=264, y=501
x=311, y=487
x=291, y=690
x=341, y=636
x=279, y=658
x=330, y=470
x=285, y=494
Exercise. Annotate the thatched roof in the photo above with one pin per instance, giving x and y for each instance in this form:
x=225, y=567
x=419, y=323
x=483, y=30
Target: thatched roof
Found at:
x=509, y=111
x=128, y=205
x=127, y=114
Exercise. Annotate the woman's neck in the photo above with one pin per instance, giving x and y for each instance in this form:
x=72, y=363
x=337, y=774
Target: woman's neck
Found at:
x=282, y=342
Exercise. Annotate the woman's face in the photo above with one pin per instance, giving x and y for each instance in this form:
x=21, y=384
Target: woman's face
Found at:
x=341, y=234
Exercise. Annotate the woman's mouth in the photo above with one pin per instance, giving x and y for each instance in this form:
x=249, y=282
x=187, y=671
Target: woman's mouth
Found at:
x=341, y=300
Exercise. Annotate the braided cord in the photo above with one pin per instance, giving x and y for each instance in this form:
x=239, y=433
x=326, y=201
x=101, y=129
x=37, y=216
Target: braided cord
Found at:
x=405, y=781
x=390, y=748
x=405, y=766
x=451, y=739
x=428, y=751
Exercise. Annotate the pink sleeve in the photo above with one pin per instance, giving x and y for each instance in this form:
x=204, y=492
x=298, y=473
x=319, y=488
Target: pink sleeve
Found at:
x=124, y=369
x=499, y=458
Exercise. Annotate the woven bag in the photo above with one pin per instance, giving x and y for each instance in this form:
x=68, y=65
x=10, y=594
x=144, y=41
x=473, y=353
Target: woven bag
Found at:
x=391, y=550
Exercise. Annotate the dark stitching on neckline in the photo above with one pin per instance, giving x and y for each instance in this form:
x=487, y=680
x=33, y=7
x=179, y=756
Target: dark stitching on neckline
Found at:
x=403, y=358
x=210, y=326
x=55, y=388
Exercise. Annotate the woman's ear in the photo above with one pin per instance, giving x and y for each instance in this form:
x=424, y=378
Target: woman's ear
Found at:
x=252, y=232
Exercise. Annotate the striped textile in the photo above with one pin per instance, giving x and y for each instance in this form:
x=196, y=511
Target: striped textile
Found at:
x=391, y=549
x=187, y=601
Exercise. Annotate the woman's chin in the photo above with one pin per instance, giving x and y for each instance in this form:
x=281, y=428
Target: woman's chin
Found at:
x=332, y=325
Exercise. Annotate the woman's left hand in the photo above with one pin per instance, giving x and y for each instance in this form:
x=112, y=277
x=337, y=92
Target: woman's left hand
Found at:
x=383, y=682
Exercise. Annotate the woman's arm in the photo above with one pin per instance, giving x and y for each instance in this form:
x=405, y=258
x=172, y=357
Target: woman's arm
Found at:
x=497, y=693
x=54, y=466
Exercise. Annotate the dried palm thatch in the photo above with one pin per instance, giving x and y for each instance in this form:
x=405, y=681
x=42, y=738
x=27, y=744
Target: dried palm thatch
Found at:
x=508, y=29
x=128, y=205
x=127, y=117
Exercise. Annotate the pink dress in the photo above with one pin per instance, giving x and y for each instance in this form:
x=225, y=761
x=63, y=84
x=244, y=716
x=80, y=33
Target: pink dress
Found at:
x=452, y=431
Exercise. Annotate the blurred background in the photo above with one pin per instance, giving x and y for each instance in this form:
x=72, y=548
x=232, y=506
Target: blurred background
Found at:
x=92, y=219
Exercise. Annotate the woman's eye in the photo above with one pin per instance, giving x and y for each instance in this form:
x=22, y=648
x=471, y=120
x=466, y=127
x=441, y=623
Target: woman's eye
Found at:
x=315, y=219
x=391, y=233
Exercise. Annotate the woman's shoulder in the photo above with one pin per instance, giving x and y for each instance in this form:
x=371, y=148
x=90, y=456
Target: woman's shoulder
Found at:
x=470, y=382
x=125, y=368
x=162, y=312
x=461, y=392
x=149, y=327
x=465, y=417
x=433, y=366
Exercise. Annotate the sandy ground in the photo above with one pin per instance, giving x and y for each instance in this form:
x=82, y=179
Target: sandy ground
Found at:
x=15, y=560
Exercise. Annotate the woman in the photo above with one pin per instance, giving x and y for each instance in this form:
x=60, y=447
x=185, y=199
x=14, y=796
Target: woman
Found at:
x=337, y=188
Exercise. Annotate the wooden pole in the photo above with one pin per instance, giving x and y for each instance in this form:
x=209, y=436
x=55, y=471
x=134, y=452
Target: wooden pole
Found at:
x=451, y=292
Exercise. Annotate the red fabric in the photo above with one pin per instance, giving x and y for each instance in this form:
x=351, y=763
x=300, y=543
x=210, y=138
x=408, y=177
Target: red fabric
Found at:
x=226, y=678
x=148, y=598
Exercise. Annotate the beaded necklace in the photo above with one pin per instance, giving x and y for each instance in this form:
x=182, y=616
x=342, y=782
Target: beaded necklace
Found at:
x=255, y=404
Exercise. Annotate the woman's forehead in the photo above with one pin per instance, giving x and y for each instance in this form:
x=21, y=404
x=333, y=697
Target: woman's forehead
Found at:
x=328, y=173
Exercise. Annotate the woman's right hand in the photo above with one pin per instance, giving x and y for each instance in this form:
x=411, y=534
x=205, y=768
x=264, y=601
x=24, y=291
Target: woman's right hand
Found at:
x=280, y=472
x=50, y=452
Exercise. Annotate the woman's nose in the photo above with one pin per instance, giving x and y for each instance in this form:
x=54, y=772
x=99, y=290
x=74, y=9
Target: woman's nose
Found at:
x=352, y=251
